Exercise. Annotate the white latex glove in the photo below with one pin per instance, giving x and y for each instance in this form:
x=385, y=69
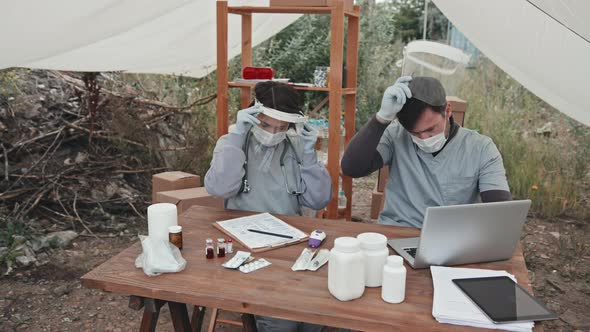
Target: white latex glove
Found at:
x=245, y=119
x=394, y=98
x=309, y=136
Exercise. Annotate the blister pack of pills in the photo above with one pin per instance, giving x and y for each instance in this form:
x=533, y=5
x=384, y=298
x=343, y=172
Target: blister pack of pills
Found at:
x=239, y=258
x=303, y=260
x=311, y=259
x=253, y=266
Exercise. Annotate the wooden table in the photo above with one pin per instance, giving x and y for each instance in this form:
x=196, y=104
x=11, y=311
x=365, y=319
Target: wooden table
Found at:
x=276, y=290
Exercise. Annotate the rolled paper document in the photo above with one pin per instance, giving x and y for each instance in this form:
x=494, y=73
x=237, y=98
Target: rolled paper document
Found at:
x=160, y=217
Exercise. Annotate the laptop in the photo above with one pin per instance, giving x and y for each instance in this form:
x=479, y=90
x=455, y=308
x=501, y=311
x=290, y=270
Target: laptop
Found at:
x=464, y=234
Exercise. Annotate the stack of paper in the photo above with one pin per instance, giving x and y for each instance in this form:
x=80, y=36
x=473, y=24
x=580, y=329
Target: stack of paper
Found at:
x=451, y=306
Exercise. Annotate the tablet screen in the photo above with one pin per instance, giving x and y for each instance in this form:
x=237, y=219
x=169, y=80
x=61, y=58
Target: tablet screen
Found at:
x=502, y=300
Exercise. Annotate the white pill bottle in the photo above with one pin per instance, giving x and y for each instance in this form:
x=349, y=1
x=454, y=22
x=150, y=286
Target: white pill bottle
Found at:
x=346, y=269
x=374, y=246
x=394, y=280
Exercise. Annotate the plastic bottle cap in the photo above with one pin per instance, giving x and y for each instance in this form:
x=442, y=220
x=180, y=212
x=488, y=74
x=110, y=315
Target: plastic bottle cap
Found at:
x=395, y=261
x=372, y=241
x=175, y=229
x=347, y=244
x=221, y=240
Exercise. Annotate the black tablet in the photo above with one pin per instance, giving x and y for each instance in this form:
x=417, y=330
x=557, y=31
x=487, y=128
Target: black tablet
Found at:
x=503, y=300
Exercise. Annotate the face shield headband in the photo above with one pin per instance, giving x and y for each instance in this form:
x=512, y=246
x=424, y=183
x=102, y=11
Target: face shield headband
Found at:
x=278, y=115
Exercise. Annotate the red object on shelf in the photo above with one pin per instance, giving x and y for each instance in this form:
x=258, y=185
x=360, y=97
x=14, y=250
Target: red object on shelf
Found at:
x=258, y=73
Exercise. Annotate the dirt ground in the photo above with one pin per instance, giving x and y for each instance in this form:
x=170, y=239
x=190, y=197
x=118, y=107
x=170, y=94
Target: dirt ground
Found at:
x=50, y=297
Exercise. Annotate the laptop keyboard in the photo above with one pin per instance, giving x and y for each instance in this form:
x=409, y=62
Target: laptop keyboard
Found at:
x=411, y=251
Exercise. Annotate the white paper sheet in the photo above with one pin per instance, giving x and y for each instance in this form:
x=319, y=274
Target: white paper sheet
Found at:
x=238, y=228
x=451, y=306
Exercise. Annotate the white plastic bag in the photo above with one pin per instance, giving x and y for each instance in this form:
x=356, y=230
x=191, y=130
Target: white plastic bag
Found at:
x=159, y=257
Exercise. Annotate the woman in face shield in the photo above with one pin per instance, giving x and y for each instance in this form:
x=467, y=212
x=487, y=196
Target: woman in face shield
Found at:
x=267, y=163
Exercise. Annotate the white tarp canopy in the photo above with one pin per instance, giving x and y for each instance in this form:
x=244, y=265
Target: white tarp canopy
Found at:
x=543, y=44
x=140, y=36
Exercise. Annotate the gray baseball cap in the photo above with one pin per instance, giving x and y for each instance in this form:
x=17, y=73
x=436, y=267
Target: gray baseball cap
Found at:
x=428, y=90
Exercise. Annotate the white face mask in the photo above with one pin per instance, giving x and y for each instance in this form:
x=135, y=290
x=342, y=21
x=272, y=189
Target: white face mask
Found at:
x=431, y=144
x=268, y=139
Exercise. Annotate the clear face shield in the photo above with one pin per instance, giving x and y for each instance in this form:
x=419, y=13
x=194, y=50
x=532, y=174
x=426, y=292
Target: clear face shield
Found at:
x=296, y=122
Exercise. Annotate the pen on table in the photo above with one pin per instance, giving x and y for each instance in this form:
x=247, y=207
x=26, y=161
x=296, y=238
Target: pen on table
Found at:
x=269, y=233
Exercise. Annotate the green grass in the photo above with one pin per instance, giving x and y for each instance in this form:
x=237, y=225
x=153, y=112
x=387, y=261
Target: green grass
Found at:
x=551, y=170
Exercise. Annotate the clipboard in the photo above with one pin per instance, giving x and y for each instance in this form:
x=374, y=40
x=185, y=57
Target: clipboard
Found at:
x=258, y=221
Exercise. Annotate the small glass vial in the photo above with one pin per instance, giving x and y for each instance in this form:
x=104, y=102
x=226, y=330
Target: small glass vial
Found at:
x=209, y=250
x=175, y=236
x=221, y=247
x=230, y=246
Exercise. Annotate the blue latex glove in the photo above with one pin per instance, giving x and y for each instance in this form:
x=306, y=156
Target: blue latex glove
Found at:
x=394, y=98
x=245, y=119
x=309, y=136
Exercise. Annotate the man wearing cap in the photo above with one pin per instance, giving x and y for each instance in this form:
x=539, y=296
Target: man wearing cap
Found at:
x=433, y=161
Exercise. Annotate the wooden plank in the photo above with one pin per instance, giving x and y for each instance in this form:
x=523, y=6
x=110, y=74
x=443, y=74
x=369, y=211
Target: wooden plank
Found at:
x=197, y=318
x=135, y=302
x=458, y=108
x=345, y=91
x=249, y=323
x=245, y=94
x=335, y=108
x=348, y=4
x=319, y=107
x=151, y=312
x=229, y=322
x=277, y=291
x=179, y=314
x=222, y=99
x=349, y=91
x=213, y=320
x=382, y=178
x=241, y=10
x=377, y=203
x=352, y=43
x=149, y=320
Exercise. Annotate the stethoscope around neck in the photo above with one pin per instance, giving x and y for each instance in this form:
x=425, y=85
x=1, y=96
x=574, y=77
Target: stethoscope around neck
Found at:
x=245, y=187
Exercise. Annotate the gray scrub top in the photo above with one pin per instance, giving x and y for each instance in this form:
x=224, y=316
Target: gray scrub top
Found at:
x=268, y=190
x=469, y=164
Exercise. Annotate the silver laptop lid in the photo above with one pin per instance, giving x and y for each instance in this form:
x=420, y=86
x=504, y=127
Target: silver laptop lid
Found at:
x=471, y=233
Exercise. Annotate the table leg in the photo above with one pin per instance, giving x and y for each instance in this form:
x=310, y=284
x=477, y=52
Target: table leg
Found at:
x=151, y=312
x=135, y=302
x=249, y=323
x=213, y=320
x=197, y=318
x=179, y=315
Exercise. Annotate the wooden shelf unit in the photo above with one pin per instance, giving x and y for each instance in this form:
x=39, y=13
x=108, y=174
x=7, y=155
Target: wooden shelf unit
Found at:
x=337, y=94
